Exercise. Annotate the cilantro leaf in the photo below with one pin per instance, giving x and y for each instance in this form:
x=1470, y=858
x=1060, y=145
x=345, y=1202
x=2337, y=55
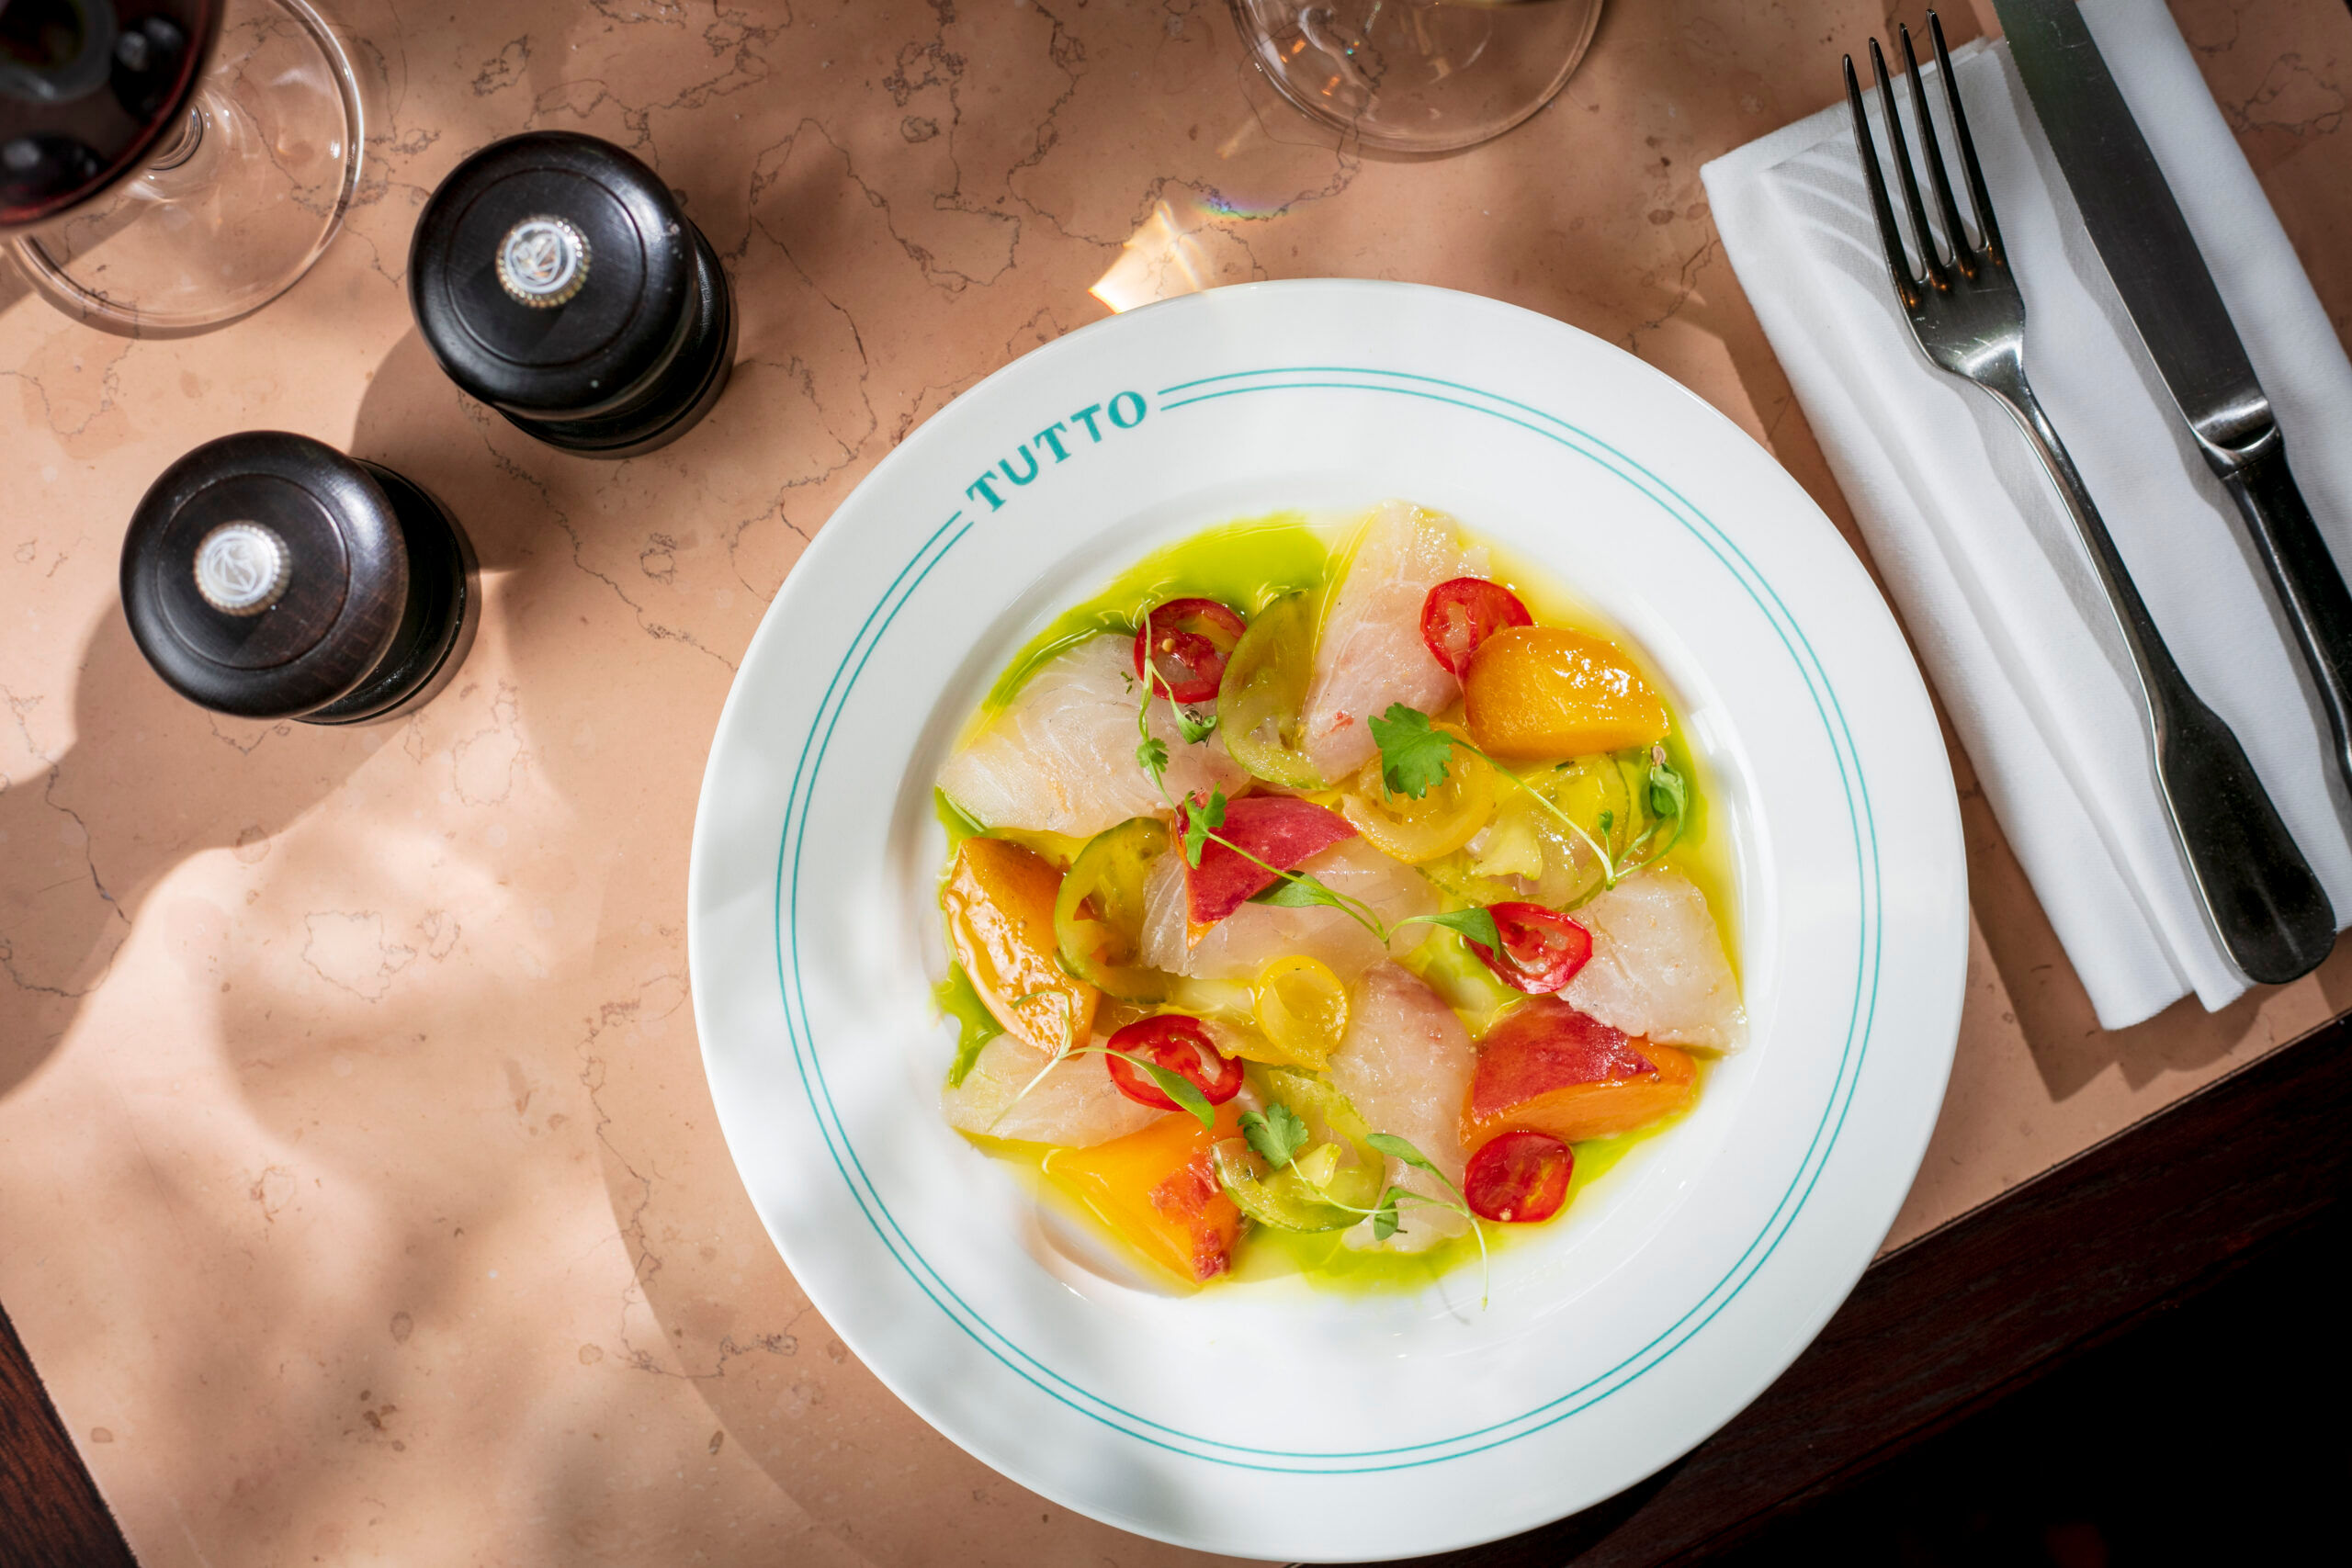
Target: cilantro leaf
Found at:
x=1668, y=793
x=1193, y=730
x=1277, y=1135
x=1302, y=890
x=1413, y=755
x=1476, y=924
x=1607, y=822
x=1384, y=1218
x=1198, y=820
x=1152, y=756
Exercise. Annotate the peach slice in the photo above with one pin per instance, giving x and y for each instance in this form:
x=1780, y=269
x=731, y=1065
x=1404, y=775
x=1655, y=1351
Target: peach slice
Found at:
x=1159, y=1192
x=1000, y=905
x=1548, y=1068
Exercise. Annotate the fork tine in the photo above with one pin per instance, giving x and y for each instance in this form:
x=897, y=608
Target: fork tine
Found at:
x=1977, y=197
x=1955, y=232
x=1899, y=146
x=1906, y=287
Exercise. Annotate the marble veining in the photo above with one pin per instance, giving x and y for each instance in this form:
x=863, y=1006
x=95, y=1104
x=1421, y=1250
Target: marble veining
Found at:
x=361, y=1193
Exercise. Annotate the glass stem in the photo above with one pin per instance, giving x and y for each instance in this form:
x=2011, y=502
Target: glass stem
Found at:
x=183, y=146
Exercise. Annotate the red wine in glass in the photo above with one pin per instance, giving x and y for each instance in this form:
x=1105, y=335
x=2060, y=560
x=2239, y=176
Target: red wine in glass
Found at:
x=167, y=166
x=87, y=88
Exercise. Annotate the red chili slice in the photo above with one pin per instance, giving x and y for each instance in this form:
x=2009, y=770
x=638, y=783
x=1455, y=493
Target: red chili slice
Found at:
x=1519, y=1177
x=1460, y=615
x=1180, y=1045
x=1543, y=949
x=1189, y=640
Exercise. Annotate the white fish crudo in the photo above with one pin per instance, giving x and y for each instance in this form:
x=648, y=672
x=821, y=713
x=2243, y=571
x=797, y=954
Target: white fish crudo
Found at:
x=1364, y=969
x=1060, y=758
x=1369, y=653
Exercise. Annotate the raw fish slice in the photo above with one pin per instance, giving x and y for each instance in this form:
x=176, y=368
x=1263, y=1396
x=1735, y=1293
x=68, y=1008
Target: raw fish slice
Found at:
x=1076, y=1105
x=1657, y=967
x=1370, y=653
x=1404, y=1064
x=1243, y=942
x=1061, y=757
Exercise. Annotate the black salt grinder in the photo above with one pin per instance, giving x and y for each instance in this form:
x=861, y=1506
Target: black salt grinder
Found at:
x=554, y=278
x=269, y=576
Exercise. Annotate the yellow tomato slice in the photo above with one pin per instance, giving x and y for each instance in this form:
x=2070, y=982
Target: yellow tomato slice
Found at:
x=1302, y=1010
x=1547, y=693
x=1448, y=816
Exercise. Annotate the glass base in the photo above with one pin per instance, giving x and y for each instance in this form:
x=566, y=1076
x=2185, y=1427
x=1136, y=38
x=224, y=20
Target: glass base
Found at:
x=1417, y=75
x=238, y=205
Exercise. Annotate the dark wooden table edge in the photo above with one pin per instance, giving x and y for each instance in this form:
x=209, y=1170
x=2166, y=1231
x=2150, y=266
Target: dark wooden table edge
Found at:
x=1950, y=1322
x=50, y=1512
x=1991, y=1300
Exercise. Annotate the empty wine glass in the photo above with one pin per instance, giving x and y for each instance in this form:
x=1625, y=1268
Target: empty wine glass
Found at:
x=167, y=166
x=1417, y=75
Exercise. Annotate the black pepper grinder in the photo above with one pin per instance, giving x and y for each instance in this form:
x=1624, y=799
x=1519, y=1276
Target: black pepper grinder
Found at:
x=554, y=278
x=268, y=575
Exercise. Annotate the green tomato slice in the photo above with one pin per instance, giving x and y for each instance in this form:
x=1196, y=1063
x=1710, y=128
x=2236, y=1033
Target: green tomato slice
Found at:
x=1261, y=700
x=1330, y=1121
x=1282, y=1201
x=1098, y=915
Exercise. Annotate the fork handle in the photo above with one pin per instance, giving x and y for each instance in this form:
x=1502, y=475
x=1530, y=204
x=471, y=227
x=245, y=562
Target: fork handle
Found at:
x=2303, y=572
x=2259, y=893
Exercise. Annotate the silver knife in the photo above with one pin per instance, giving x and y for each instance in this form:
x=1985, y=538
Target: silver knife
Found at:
x=2165, y=285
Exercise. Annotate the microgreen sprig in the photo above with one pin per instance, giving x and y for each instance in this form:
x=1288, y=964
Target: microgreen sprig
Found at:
x=1174, y=1085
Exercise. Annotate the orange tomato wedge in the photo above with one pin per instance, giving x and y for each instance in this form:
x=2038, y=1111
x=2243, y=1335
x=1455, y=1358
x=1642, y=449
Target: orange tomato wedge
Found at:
x=1000, y=905
x=1158, y=1191
x=1540, y=692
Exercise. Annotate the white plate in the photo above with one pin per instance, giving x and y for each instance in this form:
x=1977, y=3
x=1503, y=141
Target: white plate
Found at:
x=1272, y=1420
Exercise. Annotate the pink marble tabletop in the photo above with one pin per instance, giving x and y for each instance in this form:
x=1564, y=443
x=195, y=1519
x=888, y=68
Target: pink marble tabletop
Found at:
x=361, y=1196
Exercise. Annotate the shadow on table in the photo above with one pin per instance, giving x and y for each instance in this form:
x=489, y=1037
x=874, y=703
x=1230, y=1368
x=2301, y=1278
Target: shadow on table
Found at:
x=608, y=615
x=89, y=831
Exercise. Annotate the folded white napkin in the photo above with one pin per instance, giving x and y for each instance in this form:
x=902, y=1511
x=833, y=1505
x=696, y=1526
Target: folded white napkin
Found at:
x=1964, y=527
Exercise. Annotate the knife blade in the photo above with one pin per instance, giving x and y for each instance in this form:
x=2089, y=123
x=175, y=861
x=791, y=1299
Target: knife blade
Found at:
x=2167, y=288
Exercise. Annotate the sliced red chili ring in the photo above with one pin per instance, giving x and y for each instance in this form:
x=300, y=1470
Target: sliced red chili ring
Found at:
x=1188, y=641
x=1176, y=1044
x=1519, y=1177
x=1543, y=949
x=1459, y=616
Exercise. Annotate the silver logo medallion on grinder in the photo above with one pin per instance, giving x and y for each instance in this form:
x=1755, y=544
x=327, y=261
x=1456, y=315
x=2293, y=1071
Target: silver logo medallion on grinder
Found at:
x=542, y=261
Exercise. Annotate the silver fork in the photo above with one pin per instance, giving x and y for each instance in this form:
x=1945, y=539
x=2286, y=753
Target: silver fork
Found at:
x=2259, y=893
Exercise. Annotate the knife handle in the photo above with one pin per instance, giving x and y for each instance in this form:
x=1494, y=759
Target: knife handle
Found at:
x=2259, y=893
x=2304, y=573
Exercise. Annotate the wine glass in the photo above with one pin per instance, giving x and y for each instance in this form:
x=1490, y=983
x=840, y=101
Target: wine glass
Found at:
x=168, y=165
x=1417, y=75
